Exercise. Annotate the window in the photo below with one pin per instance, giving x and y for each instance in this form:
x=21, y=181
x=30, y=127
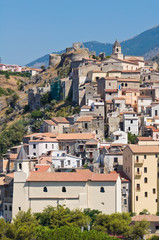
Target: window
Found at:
x=125, y=201
x=154, y=190
x=145, y=169
x=137, y=158
x=129, y=128
x=109, y=84
x=156, y=155
x=20, y=166
x=131, y=121
x=115, y=159
x=102, y=190
x=157, y=227
x=122, y=84
x=96, y=107
x=158, y=174
x=156, y=113
x=19, y=208
x=126, y=84
x=144, y=156
x=96, y=131
x=149, y=77
x=34, y=146
x=45, y=145
x=63, y=189
x=146, y=194
x=62, y=163
x=5, y=207
x=45, y=189
x=10, y=208
x=34, y=154
x=137, y=198
x=78, y=163
x=52, y=146
x=69, y=162
x=137, y=187
x=145, y=180
x=86, y=125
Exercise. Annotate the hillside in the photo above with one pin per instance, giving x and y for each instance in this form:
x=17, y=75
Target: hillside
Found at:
x=145, y=44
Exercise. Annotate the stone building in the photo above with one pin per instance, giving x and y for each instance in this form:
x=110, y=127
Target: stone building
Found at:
x=80, y=189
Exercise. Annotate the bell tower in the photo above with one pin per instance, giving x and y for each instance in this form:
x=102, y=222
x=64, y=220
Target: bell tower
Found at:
x=117, y=50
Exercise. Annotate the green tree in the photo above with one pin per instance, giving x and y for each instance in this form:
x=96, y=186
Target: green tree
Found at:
x=25, y=224
x=132, y=138
x=45, y=98
x=37, y=114
x=92, y=214
x=144, y=212
x=139, y=229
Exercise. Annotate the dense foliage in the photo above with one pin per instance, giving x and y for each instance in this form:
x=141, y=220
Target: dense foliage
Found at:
x=9, y=73
x=59, y=223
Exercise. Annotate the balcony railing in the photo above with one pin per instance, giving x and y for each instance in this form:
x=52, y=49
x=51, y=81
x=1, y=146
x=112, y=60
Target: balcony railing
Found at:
x=139, y=162
x=138, y=174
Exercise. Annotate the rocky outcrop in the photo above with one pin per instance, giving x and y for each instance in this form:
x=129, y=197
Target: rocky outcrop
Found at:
x=54, y=59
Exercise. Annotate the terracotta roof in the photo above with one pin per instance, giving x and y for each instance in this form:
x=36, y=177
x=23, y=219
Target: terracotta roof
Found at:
x=144, y=97
x=84, y=119
x=128, y=112
x=115, y=71
x=60, y=120
x=82, y=175
x=130, y=71
x=50, y=122
x=109, y=101
x=143, y=149
x=129, y=90
x=44, y=139
x=111, y=90
x=74, y=136
x=149, y=218
x=13, y=156
x=11, y=175
x=145, y=139
x=128, y=80
x=2, y=181
x=119, y=98
x=45, y=159
x=86, y=107
x=41, y=168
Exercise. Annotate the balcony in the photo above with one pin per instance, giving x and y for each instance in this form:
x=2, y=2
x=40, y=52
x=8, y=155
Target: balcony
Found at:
x=138, y=174
x=139, y=162
x=115, y=164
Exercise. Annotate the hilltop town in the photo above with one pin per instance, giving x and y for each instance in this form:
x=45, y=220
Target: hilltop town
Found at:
x=101, y=152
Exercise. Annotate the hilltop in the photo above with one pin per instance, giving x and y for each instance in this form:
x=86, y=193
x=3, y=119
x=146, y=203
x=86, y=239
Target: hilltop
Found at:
x=145, y=44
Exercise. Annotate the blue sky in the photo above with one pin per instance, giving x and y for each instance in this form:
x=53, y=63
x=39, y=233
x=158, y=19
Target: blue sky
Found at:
x=30, y=29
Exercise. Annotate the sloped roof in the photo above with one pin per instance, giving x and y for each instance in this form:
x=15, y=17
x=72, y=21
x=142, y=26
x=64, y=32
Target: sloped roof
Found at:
x=149, y=218
x=60, y=120
x=82, y=175
x=75, y=136
x=84, y=119
x=116, y=44
x=22, y=154
x=50, y=122
x=143, y=149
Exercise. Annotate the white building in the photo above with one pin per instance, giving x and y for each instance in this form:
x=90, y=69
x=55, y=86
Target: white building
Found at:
x=42, y=145
x=142, y=103
x=62, y=160
x=120, y=137
x=80, y=189
x=130, y=122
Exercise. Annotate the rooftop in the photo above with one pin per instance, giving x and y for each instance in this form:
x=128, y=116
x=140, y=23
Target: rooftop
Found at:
x=81, y=175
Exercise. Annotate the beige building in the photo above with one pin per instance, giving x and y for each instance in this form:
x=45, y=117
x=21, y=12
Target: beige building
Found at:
x=80, y=189
x=140, y=164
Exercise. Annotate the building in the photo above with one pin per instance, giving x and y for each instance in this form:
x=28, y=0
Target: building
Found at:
x=140, y=164
x=119, y=137
x=130, y=122
x=60, y=159
x=80, y=189
x=42, y=145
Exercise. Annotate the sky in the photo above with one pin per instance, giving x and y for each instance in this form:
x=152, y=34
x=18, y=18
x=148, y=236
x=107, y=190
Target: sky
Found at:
x=30, y=29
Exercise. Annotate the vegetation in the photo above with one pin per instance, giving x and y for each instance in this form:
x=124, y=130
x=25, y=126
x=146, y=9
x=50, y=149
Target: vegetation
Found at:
x=64, y=71
x=56, y=223
x=9, y=73
x=6, y=92
x=12, y=136
x=132, y=138
x=144, y=212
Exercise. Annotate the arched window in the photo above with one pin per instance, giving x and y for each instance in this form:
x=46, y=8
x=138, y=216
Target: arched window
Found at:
x=63, y=189
x=45, y=189
x=145, y=180
x=122, y=84
x=102, y=190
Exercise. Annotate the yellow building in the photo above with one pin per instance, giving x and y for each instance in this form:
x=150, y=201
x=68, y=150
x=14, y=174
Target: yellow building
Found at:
x=140, y=163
